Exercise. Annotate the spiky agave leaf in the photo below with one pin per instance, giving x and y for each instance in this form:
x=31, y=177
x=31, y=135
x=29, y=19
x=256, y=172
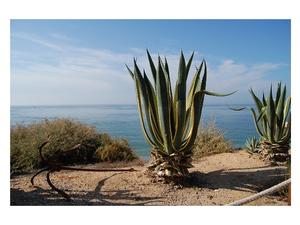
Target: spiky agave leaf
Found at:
x=252, y=145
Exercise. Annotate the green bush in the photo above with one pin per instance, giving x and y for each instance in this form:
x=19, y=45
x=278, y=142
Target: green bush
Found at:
x=115, y=150
x=65, y=133
x=210, y=140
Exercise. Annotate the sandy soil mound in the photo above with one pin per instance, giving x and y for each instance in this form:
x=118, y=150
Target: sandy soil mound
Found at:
x=215, y=180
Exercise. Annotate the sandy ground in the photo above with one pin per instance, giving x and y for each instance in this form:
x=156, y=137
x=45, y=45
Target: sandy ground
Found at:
x=215, y=180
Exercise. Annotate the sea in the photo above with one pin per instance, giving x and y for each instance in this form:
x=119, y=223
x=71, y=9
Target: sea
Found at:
x=123, y=121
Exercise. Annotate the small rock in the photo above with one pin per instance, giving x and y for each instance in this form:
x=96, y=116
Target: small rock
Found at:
x=160, y=173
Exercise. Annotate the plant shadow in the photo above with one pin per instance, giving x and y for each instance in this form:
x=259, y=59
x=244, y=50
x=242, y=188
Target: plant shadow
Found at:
x=255, y=180
x=96, y=197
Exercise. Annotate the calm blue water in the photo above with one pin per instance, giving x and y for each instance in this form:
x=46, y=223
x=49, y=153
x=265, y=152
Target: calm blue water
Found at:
x=123, y=120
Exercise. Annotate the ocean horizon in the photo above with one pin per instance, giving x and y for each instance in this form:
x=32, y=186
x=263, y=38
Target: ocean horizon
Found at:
x=123, y=120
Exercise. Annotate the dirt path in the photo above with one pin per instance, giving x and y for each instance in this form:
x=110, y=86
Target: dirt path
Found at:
x=216, y=180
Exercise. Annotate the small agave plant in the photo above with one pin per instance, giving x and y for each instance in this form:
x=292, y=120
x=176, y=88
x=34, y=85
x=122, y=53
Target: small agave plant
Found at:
x=273, y=124
x=252, y=145
x=172, y=119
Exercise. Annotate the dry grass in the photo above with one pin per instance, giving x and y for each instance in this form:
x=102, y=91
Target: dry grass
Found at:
x=210, y=140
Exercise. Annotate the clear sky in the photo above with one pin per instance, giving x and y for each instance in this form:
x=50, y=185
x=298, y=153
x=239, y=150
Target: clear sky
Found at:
x=55, y=62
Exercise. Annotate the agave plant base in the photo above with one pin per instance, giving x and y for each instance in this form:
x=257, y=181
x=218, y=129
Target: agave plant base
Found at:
x=277, y=154
x=176, y=181
x=175, y=164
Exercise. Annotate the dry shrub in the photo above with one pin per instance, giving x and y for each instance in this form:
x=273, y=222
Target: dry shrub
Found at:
x=65, y=133
x=210, y=140
x=115, y=150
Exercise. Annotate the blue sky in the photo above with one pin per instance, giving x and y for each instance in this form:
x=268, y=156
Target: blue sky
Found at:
x=55, y=62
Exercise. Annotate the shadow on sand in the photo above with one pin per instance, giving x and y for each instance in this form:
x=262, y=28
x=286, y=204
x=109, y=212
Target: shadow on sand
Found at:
x=235, y=179
x=95, y=197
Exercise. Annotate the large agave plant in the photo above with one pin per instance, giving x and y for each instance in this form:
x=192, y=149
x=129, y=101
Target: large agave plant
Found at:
x=172, y=120
x=273, y=122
